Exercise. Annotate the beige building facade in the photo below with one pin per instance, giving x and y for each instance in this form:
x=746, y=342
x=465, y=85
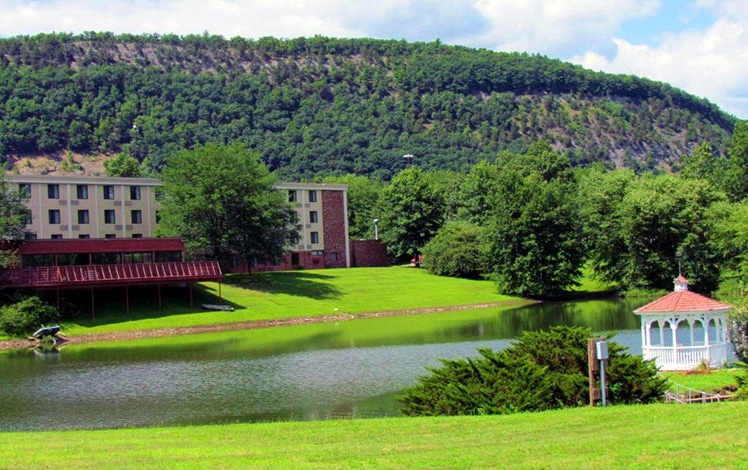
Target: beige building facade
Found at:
x=81, y=207
x=88, y=207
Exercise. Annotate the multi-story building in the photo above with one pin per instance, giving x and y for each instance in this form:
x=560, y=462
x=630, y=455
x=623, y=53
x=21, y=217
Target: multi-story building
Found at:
x=88, y=207
x=80, y=207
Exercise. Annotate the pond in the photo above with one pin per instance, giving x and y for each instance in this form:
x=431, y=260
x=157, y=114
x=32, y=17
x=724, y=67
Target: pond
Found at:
x=308, y=372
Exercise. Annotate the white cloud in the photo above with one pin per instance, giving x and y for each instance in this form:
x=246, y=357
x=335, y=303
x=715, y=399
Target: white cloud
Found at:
x=556, y=27
x=711, y=63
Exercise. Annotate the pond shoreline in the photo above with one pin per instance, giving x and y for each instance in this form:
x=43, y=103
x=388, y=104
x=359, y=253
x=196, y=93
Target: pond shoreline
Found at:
x=248, y=325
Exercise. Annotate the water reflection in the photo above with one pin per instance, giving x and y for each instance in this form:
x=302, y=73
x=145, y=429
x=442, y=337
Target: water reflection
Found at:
x=304, y=372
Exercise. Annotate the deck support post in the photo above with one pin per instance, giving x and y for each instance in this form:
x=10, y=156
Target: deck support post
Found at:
x=127, y=300
x=159, y=296
x=189, y=288
x=93, y=304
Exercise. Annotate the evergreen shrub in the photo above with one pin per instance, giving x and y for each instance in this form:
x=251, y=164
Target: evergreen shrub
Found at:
x=543, y=370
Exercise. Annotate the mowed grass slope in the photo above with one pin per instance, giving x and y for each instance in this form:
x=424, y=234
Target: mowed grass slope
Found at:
x=646, y=436
x=281, y=295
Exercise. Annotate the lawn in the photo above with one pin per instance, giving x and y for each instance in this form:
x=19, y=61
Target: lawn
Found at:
x=645, y=436
x=277, y=295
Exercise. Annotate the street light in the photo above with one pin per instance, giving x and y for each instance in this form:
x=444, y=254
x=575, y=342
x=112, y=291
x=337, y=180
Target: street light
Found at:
x=408, y=159
x=376, y=229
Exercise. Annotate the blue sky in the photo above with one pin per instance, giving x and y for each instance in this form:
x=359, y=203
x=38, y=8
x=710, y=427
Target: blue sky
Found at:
x=700, y=46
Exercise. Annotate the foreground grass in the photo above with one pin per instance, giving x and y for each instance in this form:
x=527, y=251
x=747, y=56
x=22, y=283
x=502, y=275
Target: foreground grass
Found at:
x=291, y=294
x=652, y=436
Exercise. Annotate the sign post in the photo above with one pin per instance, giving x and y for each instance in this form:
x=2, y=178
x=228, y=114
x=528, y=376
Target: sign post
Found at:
x=597, y=354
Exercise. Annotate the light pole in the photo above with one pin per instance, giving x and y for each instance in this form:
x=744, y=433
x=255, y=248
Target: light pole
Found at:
x=408, y=159
x=376, y=229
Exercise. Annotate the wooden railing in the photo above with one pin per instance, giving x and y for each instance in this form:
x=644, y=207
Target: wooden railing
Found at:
x=69, y=276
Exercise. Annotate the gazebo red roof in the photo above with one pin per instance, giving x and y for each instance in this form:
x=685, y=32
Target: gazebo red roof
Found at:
x=682, y=300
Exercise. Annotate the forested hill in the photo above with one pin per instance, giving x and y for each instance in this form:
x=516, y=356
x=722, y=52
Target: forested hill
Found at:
x=320, y=106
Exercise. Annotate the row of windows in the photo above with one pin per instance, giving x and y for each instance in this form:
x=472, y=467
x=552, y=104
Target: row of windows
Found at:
x=136, y=216
x=81, y=191
x=85, y=236
x=293, y=197
x=313, y=217
x=313, y=238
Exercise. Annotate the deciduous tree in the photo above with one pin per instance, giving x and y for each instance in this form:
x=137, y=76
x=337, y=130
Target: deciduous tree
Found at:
x=222, y=200
x=411, y=213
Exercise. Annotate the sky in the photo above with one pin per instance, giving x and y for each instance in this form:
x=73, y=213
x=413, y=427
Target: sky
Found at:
x=700, y=46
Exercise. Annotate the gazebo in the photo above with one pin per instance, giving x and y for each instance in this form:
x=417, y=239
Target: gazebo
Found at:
x=684, y=329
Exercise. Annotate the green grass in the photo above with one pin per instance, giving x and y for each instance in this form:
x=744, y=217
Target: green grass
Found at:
x=277, y=295
x=710, y=381
x=651, y=436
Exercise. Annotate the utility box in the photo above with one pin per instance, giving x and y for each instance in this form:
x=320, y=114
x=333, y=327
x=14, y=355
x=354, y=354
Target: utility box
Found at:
x=601, y=350
x=597, y=356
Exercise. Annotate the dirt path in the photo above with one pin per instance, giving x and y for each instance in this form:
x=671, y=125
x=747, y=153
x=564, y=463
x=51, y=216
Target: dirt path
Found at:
x=247, y=325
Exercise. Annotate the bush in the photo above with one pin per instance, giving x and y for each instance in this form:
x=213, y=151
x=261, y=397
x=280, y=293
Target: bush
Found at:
x=544, y=370
x=24, y=317
x=457, y=250
x=737, y=330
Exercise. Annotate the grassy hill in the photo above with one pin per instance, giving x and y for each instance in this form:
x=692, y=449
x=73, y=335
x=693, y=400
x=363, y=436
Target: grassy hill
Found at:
x=320, y=106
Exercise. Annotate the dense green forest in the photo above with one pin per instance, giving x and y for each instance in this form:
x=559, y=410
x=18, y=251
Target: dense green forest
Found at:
x=318, y=106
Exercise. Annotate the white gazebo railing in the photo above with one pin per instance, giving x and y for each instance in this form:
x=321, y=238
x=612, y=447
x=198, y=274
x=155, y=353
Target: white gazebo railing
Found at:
x=686, y=357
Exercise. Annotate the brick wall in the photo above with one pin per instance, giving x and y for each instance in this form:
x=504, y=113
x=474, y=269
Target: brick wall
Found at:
x=368, y=253
x=333, y=227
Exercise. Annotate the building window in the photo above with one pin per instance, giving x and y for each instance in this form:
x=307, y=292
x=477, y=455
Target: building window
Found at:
x=108, y=192
x=110, y=235
x=56, y=236
x=53, y=191
x=312, y=195
x=315, y=237
x=82, y=191
x=295, y=239
x=135, y=193
x=136, y=217
x=291, y=196
x=83, y=216
x=84, y=236
x=313, y=217
x=137, y=235
x=29, y=219
x=109, y=217
x=54, y=216
x=24, y=190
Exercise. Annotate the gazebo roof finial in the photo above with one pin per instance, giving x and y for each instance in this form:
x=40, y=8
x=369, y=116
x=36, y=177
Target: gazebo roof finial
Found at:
x=681, y=283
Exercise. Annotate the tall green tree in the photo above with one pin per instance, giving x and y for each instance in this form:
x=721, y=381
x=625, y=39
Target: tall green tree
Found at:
x=411, y=213
x=13, y=215
x=657, y=217
x=222, y=200
x=534, y=232
x=736, y=173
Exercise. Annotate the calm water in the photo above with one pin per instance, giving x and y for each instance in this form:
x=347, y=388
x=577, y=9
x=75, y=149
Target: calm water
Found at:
x=307, y=372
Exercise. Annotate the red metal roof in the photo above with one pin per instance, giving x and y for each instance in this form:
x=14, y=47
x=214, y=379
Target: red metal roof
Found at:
x=682, y=301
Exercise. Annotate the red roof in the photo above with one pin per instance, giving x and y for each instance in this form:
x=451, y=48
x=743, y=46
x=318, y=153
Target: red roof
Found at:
x=682, y=301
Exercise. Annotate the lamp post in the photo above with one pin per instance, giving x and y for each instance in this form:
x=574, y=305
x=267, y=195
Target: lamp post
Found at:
x=376, y=229
x=408, y=159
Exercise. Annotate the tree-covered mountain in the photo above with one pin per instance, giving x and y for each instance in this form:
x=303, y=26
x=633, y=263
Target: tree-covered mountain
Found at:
x=320, y=106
